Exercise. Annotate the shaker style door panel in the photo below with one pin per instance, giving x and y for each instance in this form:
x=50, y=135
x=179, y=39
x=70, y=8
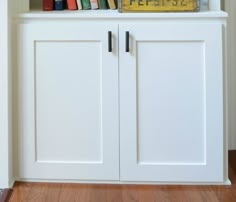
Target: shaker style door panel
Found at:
x=171, y=110
x=68, y=102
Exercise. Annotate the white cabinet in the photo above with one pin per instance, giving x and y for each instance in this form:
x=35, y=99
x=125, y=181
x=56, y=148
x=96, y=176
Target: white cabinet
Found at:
x=68, y=103
x=153, y=113
x=171, y=110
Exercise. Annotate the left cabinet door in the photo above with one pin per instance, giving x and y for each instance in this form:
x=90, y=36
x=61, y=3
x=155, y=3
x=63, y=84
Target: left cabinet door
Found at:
x=68, y=102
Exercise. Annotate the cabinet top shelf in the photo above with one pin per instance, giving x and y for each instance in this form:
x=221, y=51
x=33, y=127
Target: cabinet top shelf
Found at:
x=114, y=14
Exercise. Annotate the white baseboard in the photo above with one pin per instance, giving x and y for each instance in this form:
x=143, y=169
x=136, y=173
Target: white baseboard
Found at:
x=226, y=182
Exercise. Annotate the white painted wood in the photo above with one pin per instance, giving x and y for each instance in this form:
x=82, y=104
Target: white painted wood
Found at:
x=113, y=14
x=227, y=182
x=214, y=5
x=68, y=89
x=22, y=6
x=171, y=109
x=14, y=6
x=5, y=135
x=230, y=6
x=4, y=158
x=45, y=119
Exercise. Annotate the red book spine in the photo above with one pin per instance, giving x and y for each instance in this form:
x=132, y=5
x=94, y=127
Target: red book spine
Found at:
x=47, y=5
x=72, y=5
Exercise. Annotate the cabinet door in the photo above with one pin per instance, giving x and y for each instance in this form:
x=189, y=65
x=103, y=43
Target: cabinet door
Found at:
x=171, y=110
x=68, y=95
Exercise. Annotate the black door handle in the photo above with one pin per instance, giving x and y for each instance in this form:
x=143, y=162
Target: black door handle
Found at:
x=109, y=41
x=126, y=41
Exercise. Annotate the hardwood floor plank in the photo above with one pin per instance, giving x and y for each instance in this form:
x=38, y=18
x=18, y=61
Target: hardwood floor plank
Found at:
x=53, y=193
x=161, y=194
x=97, y=193
x=37, y=192
x=20, y=191
x=129, y=193
x=66, y=192
x=5, y=195
x=114, y=193
x=175, y=193
x=209, y=194
x=82, y=192
x=145, y=193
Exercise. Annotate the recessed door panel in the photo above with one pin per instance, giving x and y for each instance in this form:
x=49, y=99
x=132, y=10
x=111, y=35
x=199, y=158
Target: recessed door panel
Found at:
x=171, y=102
x=68, y=101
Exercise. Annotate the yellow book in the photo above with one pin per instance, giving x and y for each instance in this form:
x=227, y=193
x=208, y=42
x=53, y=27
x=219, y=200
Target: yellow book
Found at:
x=111, y=4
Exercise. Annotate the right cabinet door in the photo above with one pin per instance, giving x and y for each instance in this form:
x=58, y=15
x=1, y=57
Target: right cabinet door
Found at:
x=171, y=102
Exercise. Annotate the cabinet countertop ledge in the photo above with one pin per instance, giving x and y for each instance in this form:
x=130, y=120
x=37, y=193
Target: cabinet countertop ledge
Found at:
x=114, y=14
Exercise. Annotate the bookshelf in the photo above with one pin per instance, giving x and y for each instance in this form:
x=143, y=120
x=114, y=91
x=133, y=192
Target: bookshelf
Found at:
x=36, y=5
x=33, y=10
x=119, y=90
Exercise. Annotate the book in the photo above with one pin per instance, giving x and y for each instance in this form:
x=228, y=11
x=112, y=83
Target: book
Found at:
x=94, y=4
x=111, y=4
x=79, y=5
x=86, y=4
x=102, y=4
x=58, y=4
x=72, y=5
x=47, y=5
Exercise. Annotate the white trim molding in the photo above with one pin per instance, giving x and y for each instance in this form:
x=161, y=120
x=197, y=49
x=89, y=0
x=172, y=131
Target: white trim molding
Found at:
x=5, y=142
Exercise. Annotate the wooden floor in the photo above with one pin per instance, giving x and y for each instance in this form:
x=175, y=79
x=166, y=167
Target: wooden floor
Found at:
x=51, y=192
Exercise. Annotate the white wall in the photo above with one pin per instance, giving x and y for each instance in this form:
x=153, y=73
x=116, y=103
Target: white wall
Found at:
x=230, y=7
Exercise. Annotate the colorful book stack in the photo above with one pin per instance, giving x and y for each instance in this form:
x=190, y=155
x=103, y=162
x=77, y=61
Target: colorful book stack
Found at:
x=49, y=5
